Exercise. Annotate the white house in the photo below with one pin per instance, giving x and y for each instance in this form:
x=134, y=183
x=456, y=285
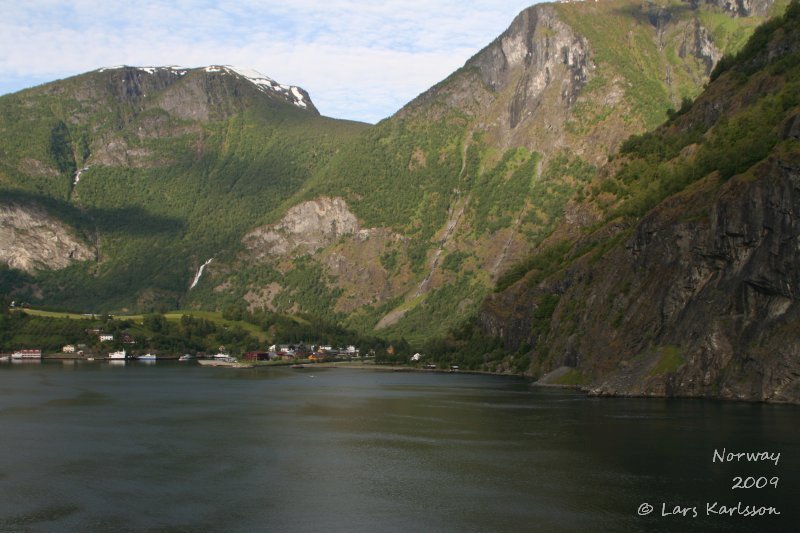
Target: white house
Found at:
x=416, y=357
x=68, y=348
x=106, y=337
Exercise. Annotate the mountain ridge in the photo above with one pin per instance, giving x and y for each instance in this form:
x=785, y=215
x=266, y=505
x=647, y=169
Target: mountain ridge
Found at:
x=433, y=207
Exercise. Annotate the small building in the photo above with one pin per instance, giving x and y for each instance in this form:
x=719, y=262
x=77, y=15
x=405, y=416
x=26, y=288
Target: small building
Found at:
x=416, y=357
x=68, y=348
x=106, y=337
x=127, y=338
x=256, y=356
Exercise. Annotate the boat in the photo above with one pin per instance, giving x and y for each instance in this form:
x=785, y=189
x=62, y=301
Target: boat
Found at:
x=117, y=355
x=187, y=357
x=147, y=357
x=27, y=354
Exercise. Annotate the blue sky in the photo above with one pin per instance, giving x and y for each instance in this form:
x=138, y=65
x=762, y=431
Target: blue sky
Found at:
x=358, y=59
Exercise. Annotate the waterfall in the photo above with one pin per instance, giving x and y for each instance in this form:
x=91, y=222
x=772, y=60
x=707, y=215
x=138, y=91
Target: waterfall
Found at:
x=199, y=273
x=77, y=176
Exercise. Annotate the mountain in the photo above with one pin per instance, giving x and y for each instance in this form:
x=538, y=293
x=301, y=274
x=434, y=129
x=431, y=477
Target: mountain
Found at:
x=400, y=229
x=434, y=204
x=144, y=173
x=689, y=283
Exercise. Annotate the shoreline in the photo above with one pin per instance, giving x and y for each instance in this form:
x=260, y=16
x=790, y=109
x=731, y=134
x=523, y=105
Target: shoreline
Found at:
x=400, y=368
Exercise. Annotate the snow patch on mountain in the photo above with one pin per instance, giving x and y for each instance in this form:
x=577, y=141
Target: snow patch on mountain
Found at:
x=265, y=84
x=180, y=71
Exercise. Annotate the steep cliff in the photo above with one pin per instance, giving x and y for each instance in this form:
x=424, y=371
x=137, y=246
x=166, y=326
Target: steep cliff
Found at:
x=699, y=295
x=30, y=239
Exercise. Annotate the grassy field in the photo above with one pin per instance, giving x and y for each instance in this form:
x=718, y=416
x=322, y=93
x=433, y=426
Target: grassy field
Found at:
x=173, y=316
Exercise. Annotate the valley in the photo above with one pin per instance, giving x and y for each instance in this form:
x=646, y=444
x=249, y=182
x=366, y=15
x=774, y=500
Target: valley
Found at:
x=603, y=196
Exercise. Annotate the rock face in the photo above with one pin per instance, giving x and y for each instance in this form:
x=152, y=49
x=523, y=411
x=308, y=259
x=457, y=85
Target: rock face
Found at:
x=743, y=8
x=522, y=87
x=328, y=231
x=724, y=294
x=198, y=93
x=546, y=51
x=31, y=240
x=551, y=81
x=700, y=297
x=304, y=229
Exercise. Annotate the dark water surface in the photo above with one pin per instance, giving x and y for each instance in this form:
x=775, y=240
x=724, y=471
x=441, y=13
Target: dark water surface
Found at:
x=171, y=447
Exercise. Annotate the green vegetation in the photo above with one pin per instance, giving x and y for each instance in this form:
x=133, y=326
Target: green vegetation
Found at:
x=467, y=348
x=189, y=191
x=454, y=260
x=19, y=331
x=154, y=332
x=737, y=141
x=500, y=193
x=623, y=45
x=439, y=310
x=779, y=28
x=544, y=314
x=669, y=361
x=759, y=91
x=191, y=332
x=653, y=169
x=543, y=264
x=400, y=174
x=166, y=192
x=572, y=377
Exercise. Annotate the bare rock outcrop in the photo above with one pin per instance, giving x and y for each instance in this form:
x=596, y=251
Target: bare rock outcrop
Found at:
x=304, y=229
x=30, y=239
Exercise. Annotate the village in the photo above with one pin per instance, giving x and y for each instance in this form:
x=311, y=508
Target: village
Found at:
x=288, y=354
x=104, y=349
x=211, y=340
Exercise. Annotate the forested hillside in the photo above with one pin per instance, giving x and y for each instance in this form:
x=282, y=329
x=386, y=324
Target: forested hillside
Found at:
x=120, y=184
x=156, y=170
x=467, y=180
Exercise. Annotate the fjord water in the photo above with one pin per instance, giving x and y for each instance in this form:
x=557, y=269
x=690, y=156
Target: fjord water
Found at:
x=92, y=447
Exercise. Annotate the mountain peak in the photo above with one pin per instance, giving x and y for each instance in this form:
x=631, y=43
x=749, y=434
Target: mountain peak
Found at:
x=291, y=93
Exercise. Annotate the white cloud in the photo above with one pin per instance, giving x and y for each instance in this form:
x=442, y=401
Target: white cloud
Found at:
x=358, y=59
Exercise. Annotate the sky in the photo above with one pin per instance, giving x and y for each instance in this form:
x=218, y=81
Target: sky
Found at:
x=359, y=60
